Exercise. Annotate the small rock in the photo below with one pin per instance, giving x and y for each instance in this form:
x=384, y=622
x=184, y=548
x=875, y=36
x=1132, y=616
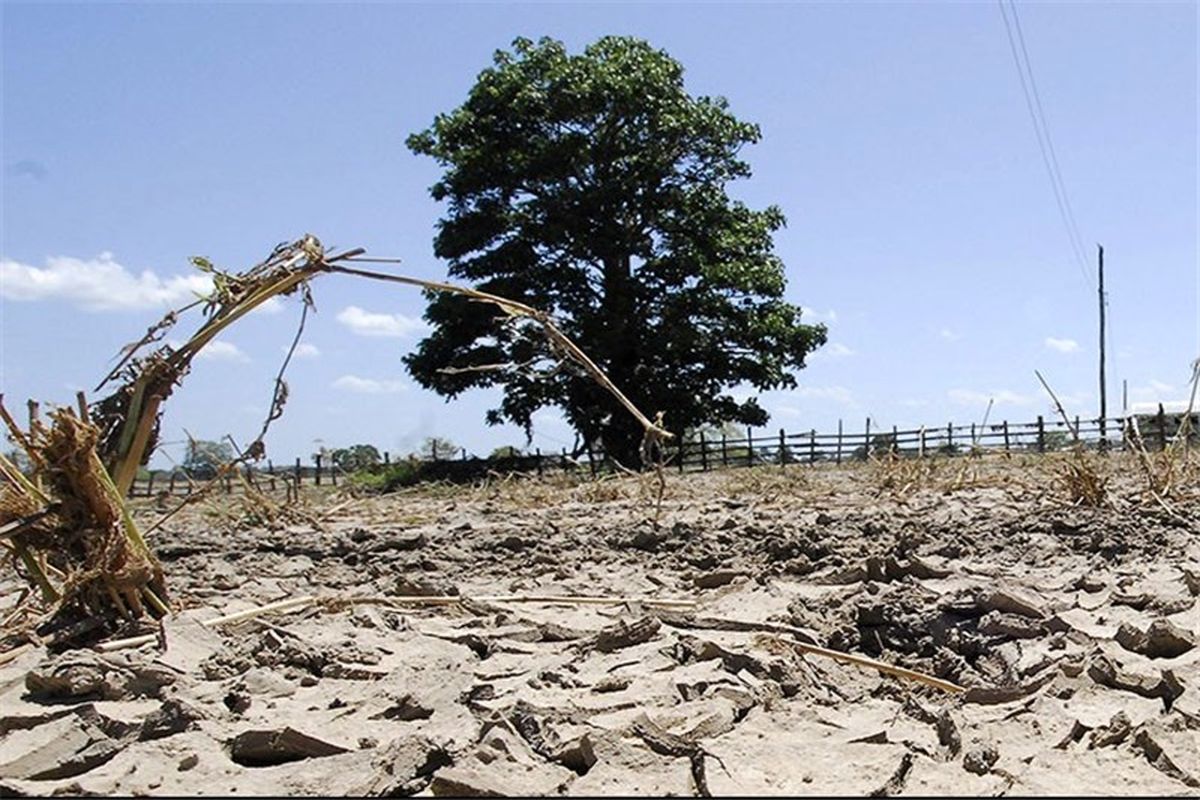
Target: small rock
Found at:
x=174, y=716
x=713, y=580
x=980, y=760
x=188, y=762
x=1012, y=603
x=1117, y=731
x=645, y=540
x=1165, y=639
x=260, y=748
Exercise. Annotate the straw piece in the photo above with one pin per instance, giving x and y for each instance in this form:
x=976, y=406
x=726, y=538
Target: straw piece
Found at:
x=295, y=603
x=863, y=661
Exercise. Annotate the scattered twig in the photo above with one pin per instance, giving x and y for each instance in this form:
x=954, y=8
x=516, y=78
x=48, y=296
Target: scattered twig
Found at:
x=870, y=663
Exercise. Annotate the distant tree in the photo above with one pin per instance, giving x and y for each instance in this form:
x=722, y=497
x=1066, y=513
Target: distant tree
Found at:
x=356, y=457
x=593, y=186
x=437, y=447
x=204, y=457
x=505, y=451
x=20, y=459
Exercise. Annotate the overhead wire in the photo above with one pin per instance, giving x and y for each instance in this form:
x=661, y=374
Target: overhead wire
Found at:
x=1033, y=105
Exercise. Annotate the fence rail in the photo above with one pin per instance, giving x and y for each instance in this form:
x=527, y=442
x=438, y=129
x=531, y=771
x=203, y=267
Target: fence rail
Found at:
x=704, y=452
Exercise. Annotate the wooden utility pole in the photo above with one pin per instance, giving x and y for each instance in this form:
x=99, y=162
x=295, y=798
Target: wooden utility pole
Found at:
x=1103, y=387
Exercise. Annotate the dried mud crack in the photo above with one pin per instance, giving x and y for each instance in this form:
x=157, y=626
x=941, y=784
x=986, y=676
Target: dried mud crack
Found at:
x=1072, y=630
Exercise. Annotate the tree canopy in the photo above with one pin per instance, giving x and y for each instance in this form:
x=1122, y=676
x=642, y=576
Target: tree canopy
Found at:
x=593, y=186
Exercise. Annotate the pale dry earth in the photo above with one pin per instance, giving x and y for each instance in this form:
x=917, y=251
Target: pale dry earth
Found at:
x=1074, y=630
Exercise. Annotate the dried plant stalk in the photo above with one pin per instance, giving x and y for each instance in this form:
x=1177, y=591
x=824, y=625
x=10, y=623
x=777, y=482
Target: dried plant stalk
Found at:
x=70, y=518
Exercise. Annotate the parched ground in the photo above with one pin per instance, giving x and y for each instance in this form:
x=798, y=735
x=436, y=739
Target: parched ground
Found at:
x=1072, y=630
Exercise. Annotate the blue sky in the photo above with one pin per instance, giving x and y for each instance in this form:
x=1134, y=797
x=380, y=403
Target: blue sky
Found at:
x=921, y=223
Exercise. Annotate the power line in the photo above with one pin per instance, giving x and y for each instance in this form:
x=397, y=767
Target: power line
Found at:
x=1041, y=129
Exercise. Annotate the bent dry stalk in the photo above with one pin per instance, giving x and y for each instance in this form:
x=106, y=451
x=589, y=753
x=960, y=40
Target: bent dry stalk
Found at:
x=67, y=524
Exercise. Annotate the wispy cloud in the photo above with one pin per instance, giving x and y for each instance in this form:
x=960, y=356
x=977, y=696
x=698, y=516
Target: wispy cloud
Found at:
x=222, y=351
x=28, y=168
x=831, y=351
x=370, y=323
x=304, y=350
x=1062, y=345
x=353, y=383
x=836, y=394
x=98, y=284
x=273, y=305
x=813, y=315
x=971, y=397
x=949, y=335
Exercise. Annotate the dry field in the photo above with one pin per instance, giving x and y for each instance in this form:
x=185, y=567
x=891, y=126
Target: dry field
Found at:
x=1071, y=630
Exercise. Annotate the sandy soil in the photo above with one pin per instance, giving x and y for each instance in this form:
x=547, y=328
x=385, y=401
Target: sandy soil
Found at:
x=1073, y=630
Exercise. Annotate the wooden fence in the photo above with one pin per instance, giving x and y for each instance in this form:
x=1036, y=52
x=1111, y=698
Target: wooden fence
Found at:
x=705, y=452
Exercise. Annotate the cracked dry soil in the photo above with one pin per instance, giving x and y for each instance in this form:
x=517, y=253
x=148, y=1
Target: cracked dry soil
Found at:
x=1073, y=629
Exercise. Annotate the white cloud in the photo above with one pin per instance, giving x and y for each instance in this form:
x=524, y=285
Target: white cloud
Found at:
x=1169, y=407
x=272, y=305
x=353, y=383
x=222, y=351
x=369, y=323
x=98, y=284
x=838, y=394
x=1062, y=345
x=949, y=335
x=832, y=350
x=970, y=397
x=808, y=315
x=304, y=350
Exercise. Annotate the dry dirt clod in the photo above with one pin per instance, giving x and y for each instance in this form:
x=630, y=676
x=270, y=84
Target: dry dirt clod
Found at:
x=264, y=748
x=622, y=635
x=980, y=759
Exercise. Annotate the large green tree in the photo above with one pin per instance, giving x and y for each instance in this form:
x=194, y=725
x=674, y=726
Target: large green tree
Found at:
x=593, y=186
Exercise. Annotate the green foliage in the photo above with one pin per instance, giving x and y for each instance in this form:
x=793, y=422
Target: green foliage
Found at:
x=593, y=186
x=436, y=448
x=356, y=457
x=506, y=451
x=204, y=458
x=1057, y=440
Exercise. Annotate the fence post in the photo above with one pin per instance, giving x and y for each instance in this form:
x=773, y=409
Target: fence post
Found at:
x=228, y=483
x=537, y=452
x=150, y=485
x=1161, y=418
x=682, y=450
x=895, y=441
x=724, y=452
x=1006, y=448
x=838, y=457
x=950, y=438
x=1077, y=431
x=749, y=446
x=703, y=452
x=171, y=484
x=812, y=446
x=271, y=472
x=782, y=448
x=974, y=440
x=433, y=448
x=333, y=471
x=921, y=443
x=867, y=441
x=318, y=460
x=387, y=459
x=298, y=473
x=1041, y=442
